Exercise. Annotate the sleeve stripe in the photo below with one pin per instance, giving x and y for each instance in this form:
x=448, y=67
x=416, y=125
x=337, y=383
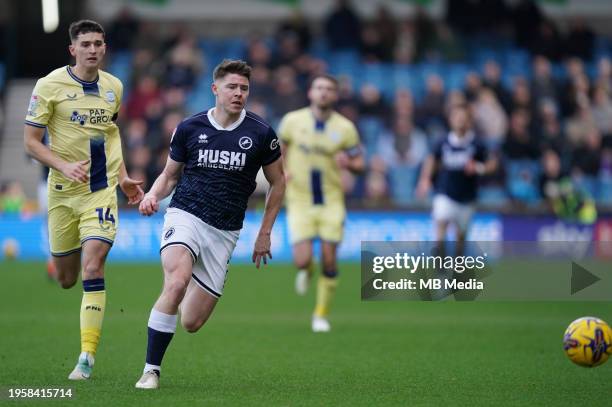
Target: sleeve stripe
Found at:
x=33, y=124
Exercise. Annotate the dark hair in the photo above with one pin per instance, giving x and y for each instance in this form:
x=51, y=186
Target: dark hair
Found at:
x=84, y=27
x=327, y=76
x=228, y=66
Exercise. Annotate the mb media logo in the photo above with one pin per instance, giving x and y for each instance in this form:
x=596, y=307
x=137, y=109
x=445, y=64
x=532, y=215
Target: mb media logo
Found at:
x=80, y=118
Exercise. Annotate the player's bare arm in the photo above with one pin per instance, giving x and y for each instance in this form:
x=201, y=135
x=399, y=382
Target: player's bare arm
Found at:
x=424, y=184
x=130, y=187
x=479, y=168
x=162, y=187
x=275, y=175
x=32, y=140
x=355, y=163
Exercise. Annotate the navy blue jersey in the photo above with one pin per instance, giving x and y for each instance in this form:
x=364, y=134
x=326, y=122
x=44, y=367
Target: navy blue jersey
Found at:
x=220, y=166
x=452, y=154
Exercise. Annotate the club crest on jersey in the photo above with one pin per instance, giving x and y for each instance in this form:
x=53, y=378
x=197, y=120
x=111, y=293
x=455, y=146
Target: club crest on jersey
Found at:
x=245, y=143
x=274, y=144
x=79, y=118
x=202, y=138
x=110, y=96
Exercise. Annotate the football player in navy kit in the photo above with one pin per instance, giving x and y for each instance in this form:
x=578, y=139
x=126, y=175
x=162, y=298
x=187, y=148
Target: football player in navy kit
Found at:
x=457, y=162
x=213, y=161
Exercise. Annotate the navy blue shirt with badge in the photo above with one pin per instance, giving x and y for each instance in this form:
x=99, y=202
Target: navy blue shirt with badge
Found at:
x=452, y=154
x=220, y=166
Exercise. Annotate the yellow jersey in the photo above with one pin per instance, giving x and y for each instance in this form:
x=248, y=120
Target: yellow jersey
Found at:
x=311, y=149
x=80, y=120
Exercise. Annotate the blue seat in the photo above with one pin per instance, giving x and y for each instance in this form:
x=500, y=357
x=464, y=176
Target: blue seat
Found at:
x=522, y=180
x=605, y=190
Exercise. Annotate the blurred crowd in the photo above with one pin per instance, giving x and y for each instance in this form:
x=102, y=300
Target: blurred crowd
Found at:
x=541, y=99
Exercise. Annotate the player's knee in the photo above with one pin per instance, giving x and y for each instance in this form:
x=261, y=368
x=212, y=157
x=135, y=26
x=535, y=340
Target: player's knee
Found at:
x=192, y=325
x=66, y=281
x=93, y=268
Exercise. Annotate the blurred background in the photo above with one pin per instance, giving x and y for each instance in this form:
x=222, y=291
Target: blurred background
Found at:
x=537, y=76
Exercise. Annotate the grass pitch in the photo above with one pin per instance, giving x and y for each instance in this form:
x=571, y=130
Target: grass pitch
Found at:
x=257, y=349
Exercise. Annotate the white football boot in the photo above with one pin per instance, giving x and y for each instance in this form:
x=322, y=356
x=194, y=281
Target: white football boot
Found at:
x=83, y=368
x=320, y=324
x=149, y=380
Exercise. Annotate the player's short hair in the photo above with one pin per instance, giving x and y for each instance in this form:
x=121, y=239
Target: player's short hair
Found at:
x=229, y=66
x=327, y=76
x=84, y=27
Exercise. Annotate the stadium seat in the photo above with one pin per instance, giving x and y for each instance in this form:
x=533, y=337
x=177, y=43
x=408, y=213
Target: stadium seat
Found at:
x=522, y=180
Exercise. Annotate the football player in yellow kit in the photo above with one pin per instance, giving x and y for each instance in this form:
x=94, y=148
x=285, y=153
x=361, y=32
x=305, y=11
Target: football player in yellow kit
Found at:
x=317, y=143
x=78, y=107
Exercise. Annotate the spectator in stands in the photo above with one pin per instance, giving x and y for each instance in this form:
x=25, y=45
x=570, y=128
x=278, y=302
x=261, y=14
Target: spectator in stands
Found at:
x=403, y=104
x=580, y=41
x=431, y=109
x=373, y=48
x=547, y=42
x=492, y=79
x=604, y=74
x=386, y=26
x=185, y=62
x=343, y=27
x=577, y=94
x=405, y=145
x=490, y=119
x=123, y=30
x=288, y=52
x=136, y=134
x=147, y=91
x=586, y=157
x=288, y=96
x=549, y=129
x=405, y=49
x=372, y=104
x=295, y=26
x=543, y=85
x=521, y=96
x=259, y=54
x=473, y=84
x=579, y=125
x=261, y=84
x=601, y=110
x=520, y=143
x=12, y=198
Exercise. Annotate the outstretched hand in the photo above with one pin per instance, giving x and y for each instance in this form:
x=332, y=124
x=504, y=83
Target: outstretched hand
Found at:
x=132, y=189
x=262, y=249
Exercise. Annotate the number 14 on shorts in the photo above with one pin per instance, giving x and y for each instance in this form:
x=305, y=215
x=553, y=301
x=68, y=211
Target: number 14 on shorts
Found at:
x=105, y=216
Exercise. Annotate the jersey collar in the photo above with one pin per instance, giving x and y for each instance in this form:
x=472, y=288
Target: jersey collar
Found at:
x=232, y=126
x=456, y=141
x=76, y=78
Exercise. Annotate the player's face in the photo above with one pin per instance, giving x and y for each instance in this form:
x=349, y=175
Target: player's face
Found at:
x=88, y=50
x=459, y=120
x=232, y=92
x=323, y=93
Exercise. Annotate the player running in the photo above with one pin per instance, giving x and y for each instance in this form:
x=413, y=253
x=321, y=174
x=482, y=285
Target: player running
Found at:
x=319, y=142
x=457, y=161
x=78, y=106
x=213, y=161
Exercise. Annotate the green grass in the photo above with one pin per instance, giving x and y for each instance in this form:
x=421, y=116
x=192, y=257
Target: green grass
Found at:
x=258, y=350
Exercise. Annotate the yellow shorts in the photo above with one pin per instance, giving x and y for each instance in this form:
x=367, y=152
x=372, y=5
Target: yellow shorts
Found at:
x=307, y=222
x=75, y=219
